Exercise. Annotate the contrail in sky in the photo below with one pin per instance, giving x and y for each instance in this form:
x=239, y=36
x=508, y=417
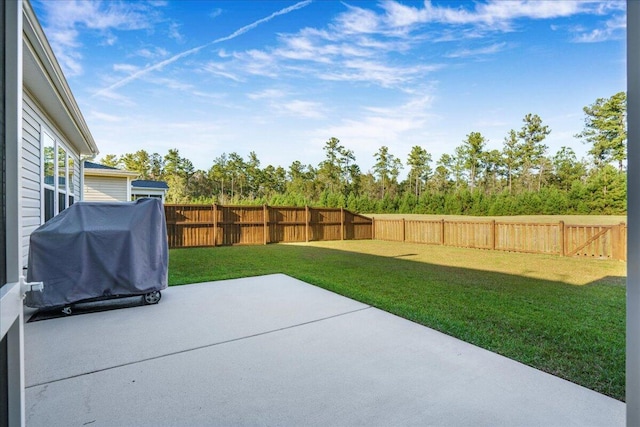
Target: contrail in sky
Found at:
x=174, y=58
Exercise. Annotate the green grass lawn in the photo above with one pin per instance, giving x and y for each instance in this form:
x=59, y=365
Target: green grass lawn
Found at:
x=565, y=316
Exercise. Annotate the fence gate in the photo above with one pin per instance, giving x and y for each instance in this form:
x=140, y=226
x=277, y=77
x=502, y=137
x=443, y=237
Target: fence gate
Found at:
x=597, y=241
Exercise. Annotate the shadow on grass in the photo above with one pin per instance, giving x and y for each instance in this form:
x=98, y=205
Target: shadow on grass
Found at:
x=609, y=281
x=574, y=332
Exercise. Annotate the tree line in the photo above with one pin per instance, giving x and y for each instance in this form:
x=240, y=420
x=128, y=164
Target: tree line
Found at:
x=521, y=178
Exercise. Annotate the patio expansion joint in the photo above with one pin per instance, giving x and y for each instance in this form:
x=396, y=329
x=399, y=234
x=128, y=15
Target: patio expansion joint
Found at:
x=95, y=371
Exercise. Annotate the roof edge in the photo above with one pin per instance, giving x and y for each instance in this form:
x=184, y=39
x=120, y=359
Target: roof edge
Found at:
x=50, y=68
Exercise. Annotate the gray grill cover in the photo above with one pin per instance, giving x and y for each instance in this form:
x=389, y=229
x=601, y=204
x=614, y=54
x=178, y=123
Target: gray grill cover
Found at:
x=95, y=250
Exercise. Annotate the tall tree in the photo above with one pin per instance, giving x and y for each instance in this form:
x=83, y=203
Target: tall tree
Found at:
x=441, y=180
x=218, y=173
x=110, y=160
x=137, y=162
x=457, y=167
x=605, y=128
x=387, y=167
x=471, y=154
x=511, y=156
x=567, y=168
x=334, y=171
x=238, y=174
x=177, y=173
x=273, y=181
x=492, y=168
x=419, y=162
x=254, y=174
x=156, y=166
x=300, y=180
x=532, y=150
x=172, y=162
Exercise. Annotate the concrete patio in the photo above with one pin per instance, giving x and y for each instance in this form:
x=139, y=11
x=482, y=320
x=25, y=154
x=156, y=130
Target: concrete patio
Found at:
x=273, y=350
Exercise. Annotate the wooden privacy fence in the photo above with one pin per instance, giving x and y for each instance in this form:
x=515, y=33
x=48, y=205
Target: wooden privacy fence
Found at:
x=602, y=241
x=216, y=225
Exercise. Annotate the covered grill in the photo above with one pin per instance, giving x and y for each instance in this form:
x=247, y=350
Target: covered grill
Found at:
x=93, y=251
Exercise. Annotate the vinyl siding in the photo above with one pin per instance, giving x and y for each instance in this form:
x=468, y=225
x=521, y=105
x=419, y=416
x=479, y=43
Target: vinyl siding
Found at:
x=105, y=189
x=31, y=173
x=33, y=122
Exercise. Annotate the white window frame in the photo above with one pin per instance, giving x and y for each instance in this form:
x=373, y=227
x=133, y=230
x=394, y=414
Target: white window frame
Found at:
x=56, y=188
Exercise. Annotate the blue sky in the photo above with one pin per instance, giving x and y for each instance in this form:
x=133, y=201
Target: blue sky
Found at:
x=282, y=77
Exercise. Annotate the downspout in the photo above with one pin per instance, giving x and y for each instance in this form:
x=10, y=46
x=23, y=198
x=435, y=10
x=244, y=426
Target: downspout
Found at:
x=129, y=181
x=82, y=160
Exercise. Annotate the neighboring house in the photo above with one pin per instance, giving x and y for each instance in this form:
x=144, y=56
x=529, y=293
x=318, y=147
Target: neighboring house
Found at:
x=142, y=188
x=106, y=184
x=44, y=139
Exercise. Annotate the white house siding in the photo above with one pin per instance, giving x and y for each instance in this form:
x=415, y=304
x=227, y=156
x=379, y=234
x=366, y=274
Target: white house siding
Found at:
x=105, y=189
x=33, y=121
x=31, y=172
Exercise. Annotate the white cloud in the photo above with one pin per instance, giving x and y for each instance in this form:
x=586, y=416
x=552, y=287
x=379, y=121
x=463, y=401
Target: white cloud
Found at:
x=487, y=50
x=156, y=52
x=399, y=15
x=125, y=68
x=256, y=62
x=358, y=70
x=400, y=126
x=104, y=117
x=238, y=32
x=357, y=20
x=63, y=18
x=496, y=11
x=215, y=13
x=110, y=40
x=613, y=30
x=305, y=109
x=490, y=123
x=208, y=95
x=155, y=134
x=118, y=99
x=170, y=83
x=276, y=101
x=219, y=69
x=267, y=94
x=494, y=15
x=174, y=32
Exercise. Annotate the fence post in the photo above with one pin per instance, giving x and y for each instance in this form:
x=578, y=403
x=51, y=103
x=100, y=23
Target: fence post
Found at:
x=265, y=220
x=442, y=232
x=373, y=228
x=623, y=241
x=306, y=223
x=617, y=248
x=404, y=232
x=493, y=234
x=562, y=238
x=341, y=224
x=215, y=224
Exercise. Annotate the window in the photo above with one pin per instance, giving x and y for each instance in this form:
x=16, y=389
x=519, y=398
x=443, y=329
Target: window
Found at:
x=58, y=175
